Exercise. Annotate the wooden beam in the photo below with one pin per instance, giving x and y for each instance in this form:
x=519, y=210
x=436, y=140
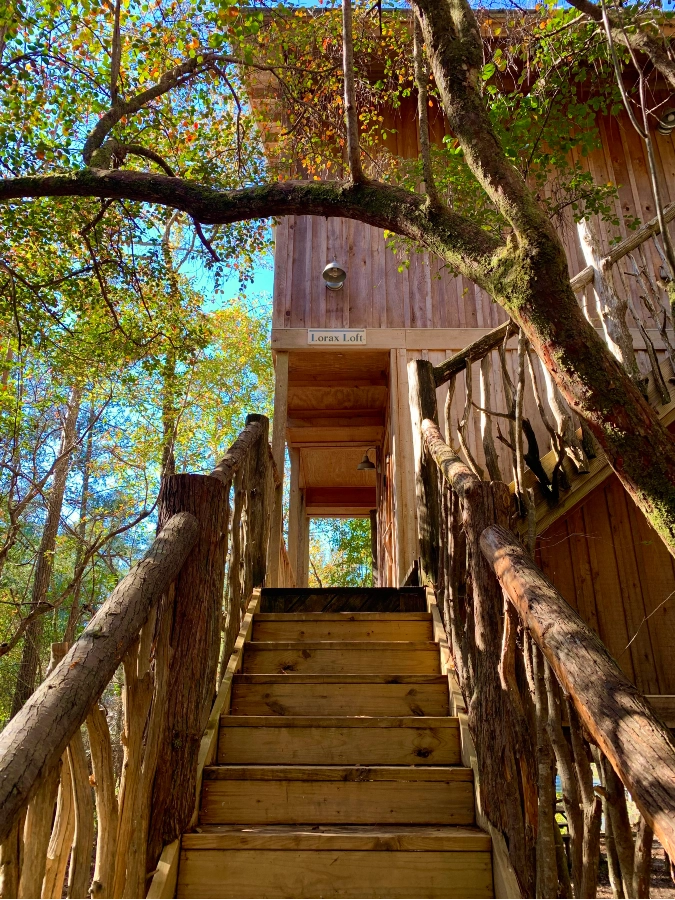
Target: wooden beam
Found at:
x=303, y=546
x=421, y=338
x=364, y=497
x=278, y=453
x=294, y=506
x=619, y=719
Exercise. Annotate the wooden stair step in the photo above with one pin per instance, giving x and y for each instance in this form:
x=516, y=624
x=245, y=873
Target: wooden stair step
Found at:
x=330, y=740
x=337, y=837
x=354, y=657
x=342, y=626
x=394, y=600
x=340, y=695
x=335, y=861
x=358, y=795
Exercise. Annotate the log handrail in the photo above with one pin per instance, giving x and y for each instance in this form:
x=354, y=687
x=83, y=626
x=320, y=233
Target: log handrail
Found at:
x=34, y=740
x=617, y=716
x=455, y=364
x=533, y=665
x=227, y=467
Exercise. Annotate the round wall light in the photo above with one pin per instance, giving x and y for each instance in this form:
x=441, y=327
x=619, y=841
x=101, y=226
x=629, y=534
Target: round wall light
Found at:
x=334, y=276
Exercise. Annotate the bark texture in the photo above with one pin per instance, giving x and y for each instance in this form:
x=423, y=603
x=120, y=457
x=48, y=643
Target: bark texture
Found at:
x=195, y=617
x=621, y=722
x=38, y=735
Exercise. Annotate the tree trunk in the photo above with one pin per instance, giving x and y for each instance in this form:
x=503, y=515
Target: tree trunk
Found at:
x=169, y=415
x=81, y=530
x=30, y=655
x=37, y=736
x=195, y=642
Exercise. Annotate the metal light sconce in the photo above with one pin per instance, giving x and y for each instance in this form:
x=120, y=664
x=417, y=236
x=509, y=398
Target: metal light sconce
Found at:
x=365, y=464
x=334, y=276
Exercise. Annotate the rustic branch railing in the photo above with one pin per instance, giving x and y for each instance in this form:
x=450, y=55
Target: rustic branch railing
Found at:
x=543, y=695
x=502, y=407
x=167, y=623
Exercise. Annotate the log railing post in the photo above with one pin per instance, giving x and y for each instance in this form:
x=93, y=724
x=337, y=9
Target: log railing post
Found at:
x=195, y=641
x=278, y=453
x=261, y=496
x=422, y=394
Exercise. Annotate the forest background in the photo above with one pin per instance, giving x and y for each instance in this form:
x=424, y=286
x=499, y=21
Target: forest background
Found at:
x=126, y=351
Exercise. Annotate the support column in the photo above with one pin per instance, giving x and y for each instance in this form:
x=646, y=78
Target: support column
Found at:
x=278, y=451
x=373, y=544
x=294, y=511
x=303, y=544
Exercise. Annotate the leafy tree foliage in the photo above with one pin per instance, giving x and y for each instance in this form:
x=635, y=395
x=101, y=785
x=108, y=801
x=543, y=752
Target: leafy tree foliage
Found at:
x=339, y=553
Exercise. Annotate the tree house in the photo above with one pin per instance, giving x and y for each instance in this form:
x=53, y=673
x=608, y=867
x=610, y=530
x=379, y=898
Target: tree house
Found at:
x=341, y=361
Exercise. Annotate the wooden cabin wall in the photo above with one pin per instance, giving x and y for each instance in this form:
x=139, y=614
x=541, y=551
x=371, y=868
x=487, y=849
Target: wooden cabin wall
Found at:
x=613, y=568
x=424, y=293
x=407, y=296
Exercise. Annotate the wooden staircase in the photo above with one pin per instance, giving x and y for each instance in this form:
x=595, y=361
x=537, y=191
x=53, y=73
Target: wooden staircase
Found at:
x=338, y=771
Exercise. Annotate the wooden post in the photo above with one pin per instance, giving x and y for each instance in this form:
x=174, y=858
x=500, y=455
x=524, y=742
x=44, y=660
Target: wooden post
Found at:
x=422, y=394
x=619, y=719
x=294, y=505
x=35, y=739
x=373, y=544
x=195, y=642
x=278, y=452
x=302, y=574
x=259, y=502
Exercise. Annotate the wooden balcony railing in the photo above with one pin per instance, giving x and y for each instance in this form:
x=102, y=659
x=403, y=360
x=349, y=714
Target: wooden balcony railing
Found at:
x=167, y=623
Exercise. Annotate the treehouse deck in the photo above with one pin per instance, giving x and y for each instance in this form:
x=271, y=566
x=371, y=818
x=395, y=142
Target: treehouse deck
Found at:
x=338, y=771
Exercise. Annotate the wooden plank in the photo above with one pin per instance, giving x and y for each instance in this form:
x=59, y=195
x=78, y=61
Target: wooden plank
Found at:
x=298, y=740
x=658, y=583
x=407, y=338
x=358, y=775
x=165, y=877
x=294, y=508
x=257, y=801
x=209, y=741
x=336, y=837
x=319, y=258
x=278, y=454
x=631, y=590
x=343, y=627
x=282, y=600
x=317, y=660
x=280, y=265
x=338, y=646
x=334, y=873
x=357, y=695
x=664, y=706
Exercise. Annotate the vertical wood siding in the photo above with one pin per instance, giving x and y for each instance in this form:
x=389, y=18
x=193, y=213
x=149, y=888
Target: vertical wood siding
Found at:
x=612, y=567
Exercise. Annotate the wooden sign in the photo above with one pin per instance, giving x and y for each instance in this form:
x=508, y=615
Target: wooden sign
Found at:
x=321, y=336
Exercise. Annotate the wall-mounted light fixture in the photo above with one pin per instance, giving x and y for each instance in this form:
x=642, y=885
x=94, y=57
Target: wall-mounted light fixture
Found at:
x=334, y=276
x=366, y=464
